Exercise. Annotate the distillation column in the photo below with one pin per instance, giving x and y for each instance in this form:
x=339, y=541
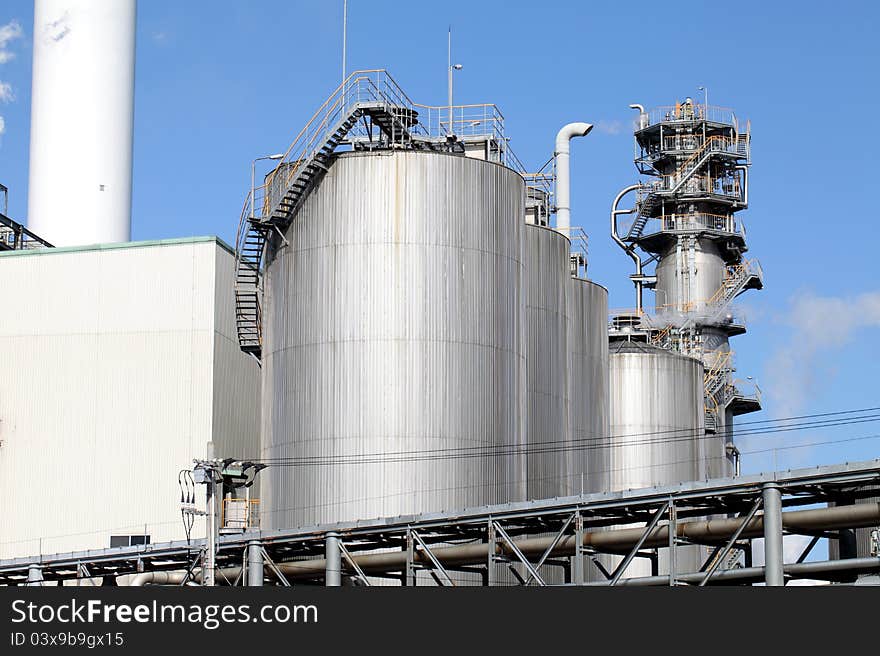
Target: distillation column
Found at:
x=684, y=218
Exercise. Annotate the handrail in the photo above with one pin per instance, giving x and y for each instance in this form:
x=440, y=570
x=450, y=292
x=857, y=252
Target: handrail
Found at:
x=699, y=112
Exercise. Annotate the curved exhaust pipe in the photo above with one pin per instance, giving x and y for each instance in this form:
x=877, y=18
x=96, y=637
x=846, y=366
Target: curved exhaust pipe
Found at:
x=627, y=249
x=563, y=172
x=643, y=115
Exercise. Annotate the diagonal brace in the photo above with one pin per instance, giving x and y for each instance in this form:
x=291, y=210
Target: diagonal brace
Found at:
x=808, y=548
x=732, y=541
x=519, y=554
x=552, y=545
x=635, y=550
x=274, y=568
x=436, y=563
x=353, y=564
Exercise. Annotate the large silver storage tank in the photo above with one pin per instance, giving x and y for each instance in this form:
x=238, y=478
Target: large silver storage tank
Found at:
x=393, y=324
x=545, y=255
x=657, y=428
x=588, y=384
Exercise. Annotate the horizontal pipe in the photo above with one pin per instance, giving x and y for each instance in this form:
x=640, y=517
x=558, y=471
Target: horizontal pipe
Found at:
x=815, y=570
x=610, y=541
x=159, y=577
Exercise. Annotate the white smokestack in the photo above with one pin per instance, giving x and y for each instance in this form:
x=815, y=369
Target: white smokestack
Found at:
x=82, y=110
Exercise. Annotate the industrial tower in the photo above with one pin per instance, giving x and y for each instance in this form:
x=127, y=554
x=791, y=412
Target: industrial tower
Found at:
x=684, y=219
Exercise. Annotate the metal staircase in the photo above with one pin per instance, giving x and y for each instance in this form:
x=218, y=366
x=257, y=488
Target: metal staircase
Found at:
x=368, y=105
x=739, y=278
x=646, y=205
x=670, y=184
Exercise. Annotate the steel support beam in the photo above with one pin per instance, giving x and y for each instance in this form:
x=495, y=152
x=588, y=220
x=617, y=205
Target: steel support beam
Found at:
x=333, y=561
x=409, y=574
x=673, y=538
x=773, y=558
x=35, y=575
x=254, y=564
x=578, y=573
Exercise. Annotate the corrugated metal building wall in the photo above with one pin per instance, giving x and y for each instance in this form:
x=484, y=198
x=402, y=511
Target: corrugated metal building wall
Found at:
x=119, y=363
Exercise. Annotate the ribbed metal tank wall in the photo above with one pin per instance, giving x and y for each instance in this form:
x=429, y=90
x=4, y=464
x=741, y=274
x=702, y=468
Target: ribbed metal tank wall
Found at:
x=393, y=323
x=588, y=384
x=545, y=255
x=657, y=422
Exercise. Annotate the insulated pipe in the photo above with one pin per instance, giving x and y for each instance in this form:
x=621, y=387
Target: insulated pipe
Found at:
x=563, y=173
x=225, y=576
x=814, y=570
x=158, y=578
x=612, y=541
x=628, y=250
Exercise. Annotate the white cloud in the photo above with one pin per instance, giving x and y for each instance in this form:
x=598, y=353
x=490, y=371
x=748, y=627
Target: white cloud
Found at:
x=9, y=32
x=6, y=93
x=817, y=326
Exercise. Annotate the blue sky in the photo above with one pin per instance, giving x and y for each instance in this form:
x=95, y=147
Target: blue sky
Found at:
x=220, y=82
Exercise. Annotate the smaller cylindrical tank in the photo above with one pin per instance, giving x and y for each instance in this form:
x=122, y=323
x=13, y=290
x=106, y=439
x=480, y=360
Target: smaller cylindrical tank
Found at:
x=588, y=384
x=545, y=260
x=656, y=413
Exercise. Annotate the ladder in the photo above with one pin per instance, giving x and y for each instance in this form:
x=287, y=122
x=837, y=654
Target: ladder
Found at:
x=359, y=97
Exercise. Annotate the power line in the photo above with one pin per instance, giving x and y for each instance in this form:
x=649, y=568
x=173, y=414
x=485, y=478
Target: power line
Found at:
x=543, y=479
x=584, y=444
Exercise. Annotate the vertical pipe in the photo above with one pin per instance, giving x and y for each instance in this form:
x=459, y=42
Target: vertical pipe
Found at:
x=490, y=562
x=333, y=559
x=579, y=549
x=254, y=564
x=35, y=575
x=449, y=79
x=673, y=533
x=210, y=521
x=409, y=578
x=773, y=574
x=344, y=34
x=563, y=172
